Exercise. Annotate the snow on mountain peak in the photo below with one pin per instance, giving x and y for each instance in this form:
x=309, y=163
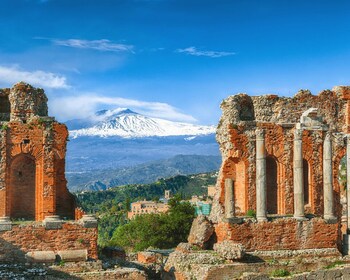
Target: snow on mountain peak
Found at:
x=125, y=123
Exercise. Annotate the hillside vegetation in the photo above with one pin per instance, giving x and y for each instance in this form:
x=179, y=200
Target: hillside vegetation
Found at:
x=112, y=205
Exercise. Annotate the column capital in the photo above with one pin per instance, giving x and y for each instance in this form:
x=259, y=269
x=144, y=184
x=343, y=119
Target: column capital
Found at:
x=298, y=133
x=328, y=136
x=259, y=133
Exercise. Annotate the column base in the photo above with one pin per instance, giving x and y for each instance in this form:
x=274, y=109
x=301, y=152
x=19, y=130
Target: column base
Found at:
x=52, y=222
x=5, y=223
x=233, y=220
x=330, y=219
x=261, y=219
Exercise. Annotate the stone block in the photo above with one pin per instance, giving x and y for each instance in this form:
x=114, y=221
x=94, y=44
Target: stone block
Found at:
x=5, y=224
x=73, y=255
x=52, y=222
x=40, y=257
x=147, y=257
x=201, y=231
x=89, y=221
x=230, y=250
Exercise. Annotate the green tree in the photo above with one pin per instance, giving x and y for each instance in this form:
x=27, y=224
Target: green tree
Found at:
x=156, y=230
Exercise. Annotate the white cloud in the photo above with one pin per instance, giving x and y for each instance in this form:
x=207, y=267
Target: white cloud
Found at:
x=65, y=108
x=14, y=74
x=101, y=45
x=194, y=51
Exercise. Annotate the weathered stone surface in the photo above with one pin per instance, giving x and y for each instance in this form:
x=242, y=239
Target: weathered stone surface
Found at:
x=30, y=237
x=32, y=146
x=73, y=255
x=184, y=247
x=201, y=231
x=286, y=233
x=278, y=118
x=52, y=222
x=89, y=221
x=41, y=257
x=27, y=102
x=5, y=223
x=230, y=250
x=147, y=257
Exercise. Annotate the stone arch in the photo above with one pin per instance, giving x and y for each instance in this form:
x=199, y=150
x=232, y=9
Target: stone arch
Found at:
x=236, y=169
x=22, y=187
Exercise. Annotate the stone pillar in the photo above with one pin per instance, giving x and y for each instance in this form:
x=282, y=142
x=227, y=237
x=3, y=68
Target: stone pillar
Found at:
x=260, y=176
x=328, y=178
x=298, y=176
x=229, y=199
x=348, y=178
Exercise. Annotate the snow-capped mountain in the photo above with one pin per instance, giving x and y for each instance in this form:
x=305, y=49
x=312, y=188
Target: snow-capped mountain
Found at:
x=125, y=123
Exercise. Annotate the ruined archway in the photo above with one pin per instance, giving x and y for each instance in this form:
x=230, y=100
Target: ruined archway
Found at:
x=271, y=185
x=237, y=171
x=22, y=187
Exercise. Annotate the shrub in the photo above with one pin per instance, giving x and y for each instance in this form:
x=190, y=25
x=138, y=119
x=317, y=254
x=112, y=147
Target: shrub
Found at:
x=280, y=273
x=251, y=213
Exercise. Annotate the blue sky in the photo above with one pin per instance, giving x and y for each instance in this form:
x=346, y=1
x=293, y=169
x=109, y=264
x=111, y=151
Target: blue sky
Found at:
x=171, y=58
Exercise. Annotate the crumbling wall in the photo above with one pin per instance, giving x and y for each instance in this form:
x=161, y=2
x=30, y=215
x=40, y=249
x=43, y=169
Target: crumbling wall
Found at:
x=278, y=117
x=26, y=132
x=281, y=234
x=24, y=238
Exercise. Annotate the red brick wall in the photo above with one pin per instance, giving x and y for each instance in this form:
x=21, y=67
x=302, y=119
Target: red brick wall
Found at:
x=21, y=239
x=45, y=144
x=281, y=234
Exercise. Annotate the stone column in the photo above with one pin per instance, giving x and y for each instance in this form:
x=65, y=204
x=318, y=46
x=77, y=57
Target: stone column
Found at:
x=348, y=178
x=229, y=199
x=298, y=175
x=328, y=178
x=260, y=176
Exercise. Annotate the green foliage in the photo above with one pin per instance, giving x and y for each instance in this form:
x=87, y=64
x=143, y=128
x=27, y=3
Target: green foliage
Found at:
x=102, y=201
x=280, y=273
x=4, y=127
x=251, y=213
x=156, y=230
x=334, y=264
x=112, y=205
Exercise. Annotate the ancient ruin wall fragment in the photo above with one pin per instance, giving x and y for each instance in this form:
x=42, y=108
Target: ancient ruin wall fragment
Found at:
x=312, y=117
x=32, y=157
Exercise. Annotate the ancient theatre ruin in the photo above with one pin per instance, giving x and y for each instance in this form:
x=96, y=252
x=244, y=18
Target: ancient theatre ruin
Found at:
x=33, y=187
x=281, y=159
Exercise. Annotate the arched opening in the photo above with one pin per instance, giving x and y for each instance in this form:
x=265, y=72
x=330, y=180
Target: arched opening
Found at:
x=22, y=187
x=271, y=186
x=306, y=178
x=236, y=170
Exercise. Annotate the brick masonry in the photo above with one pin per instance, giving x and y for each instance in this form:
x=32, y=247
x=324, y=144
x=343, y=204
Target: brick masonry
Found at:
x=281, y=234
x=278, y=117
x=23, y=238
x=32, y=157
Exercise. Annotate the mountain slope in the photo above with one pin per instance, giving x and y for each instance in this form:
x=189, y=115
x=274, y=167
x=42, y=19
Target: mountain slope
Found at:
x=143, y=173
x=125, y=123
